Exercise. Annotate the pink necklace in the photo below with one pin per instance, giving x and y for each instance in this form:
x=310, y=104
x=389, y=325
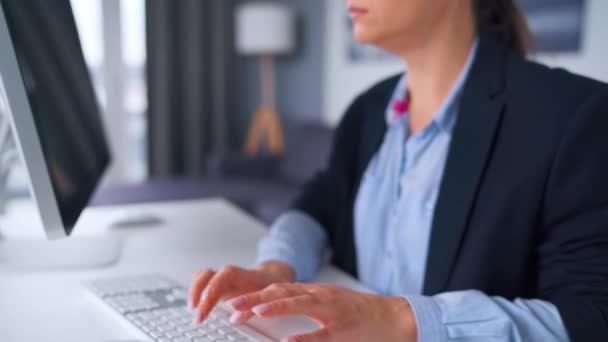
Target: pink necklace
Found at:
x=401, y=107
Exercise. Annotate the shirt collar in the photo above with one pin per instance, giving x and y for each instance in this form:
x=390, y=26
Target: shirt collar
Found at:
x=444, y=117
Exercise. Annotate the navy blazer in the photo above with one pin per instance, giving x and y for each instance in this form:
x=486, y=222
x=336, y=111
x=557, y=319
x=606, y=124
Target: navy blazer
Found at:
x=523, y=205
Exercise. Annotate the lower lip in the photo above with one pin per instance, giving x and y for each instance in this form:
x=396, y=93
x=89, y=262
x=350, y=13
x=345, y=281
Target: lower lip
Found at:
x=354, y=14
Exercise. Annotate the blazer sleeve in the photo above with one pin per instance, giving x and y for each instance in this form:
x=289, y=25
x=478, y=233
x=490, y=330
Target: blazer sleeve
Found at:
x=323, y=197
x=573, y=246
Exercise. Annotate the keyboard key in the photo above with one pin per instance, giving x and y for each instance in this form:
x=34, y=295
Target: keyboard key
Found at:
x=196, y=333
x=206, y=328
x=173, y=333
x=187, y=327
x=222, y=324
x=203, y=339
x=211, y=325
x=182, y=339
x=180, y=312
x=238, y=338
x=183, y=320
x=158, y=321
x=156, y=313
x=165, y=327
x=167, y=317
x=225, y=330
x=233, y=337
x=146, y=315
x=215, y=335
x=156, y=334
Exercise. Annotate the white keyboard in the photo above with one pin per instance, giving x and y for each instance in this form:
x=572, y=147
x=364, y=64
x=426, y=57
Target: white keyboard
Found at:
x=157, y=307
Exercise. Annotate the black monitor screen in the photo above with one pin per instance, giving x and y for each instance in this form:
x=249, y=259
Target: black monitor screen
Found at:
x=62, y=99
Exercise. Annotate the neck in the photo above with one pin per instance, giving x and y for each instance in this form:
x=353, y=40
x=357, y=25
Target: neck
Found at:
x=434, y=66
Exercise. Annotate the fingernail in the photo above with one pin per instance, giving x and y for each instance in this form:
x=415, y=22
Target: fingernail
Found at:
x=261, y=309
x=205, y=294
x=237, y=317
x=235, y=302
x=197, y=316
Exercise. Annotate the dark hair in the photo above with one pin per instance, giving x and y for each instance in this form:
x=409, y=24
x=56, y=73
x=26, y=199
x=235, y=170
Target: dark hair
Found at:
x=505, y=21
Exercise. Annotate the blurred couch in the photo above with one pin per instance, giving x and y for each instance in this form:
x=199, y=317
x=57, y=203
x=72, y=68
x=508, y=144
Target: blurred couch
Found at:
x=263, y=186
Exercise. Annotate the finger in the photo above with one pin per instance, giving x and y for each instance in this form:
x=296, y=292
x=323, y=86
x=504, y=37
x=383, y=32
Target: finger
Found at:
x=321, y=335
x=240, y=317
x=213, y=293
x=305, y=305
x=268, y=294
x=201, y=279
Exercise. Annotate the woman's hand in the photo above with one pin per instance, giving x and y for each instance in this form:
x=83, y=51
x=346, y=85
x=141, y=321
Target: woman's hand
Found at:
x=343, y=315
x=209, y=287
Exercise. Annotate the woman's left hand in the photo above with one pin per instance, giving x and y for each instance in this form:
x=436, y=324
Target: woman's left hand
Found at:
x=342, y=314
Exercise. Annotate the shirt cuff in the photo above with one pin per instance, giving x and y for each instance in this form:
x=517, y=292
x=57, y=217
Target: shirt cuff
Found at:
x=297, y=240
x=428, y=318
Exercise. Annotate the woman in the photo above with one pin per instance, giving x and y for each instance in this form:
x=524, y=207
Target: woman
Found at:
x=469, y=193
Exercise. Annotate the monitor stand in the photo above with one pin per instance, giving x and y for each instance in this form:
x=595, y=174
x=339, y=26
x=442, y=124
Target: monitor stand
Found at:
x=71, y=253
x=23, y=245
x=36, y=253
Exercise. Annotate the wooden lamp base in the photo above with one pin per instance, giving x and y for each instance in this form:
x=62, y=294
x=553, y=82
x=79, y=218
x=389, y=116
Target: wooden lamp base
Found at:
x=265, y=131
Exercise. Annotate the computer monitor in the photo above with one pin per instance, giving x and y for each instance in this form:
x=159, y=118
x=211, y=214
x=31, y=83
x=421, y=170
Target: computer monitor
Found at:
x=52, y=108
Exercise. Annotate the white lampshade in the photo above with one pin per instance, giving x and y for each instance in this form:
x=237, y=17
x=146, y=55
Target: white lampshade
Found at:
x=264, y=28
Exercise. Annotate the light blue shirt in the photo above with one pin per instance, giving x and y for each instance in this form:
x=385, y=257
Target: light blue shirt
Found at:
x=393, y=218
x=392, y=234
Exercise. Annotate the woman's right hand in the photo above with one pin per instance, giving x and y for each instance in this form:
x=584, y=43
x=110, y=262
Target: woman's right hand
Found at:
x=209, y=287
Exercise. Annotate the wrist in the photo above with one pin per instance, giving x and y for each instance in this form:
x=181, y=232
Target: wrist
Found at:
x=278, y=270
x=403, y=315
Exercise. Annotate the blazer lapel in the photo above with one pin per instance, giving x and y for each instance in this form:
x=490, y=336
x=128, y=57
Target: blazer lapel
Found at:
x=473, y=137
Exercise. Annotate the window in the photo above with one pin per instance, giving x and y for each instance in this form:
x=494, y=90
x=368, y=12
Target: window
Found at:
x=116, y=60
x=88, y=17
x=133, y=23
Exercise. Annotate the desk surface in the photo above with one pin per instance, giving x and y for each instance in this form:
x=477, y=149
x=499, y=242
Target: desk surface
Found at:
x=54, y=306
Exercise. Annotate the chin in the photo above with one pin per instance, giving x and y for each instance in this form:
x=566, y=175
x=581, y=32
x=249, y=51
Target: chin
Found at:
x=364, y=36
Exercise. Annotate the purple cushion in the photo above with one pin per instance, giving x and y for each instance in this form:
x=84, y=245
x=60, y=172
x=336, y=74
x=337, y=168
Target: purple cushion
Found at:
x=307, y=151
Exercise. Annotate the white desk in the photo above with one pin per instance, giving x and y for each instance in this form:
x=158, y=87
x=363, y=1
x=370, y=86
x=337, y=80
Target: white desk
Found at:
x=54, y=306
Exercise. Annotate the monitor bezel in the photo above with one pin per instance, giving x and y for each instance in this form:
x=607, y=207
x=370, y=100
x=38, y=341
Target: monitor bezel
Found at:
x=26, y=137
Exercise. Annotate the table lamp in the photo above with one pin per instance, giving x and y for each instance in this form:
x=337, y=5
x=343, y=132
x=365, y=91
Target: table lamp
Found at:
x=265, y=29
